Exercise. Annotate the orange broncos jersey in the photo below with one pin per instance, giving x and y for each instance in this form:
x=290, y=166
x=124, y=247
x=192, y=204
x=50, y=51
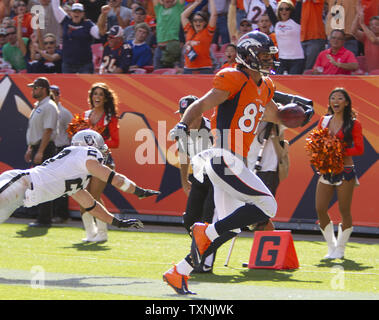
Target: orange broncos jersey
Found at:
x=237, y=118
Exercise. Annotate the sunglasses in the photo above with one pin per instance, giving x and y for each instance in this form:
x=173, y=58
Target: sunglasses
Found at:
x=245, y=25
x=37, y=87
x=198, y=20
x=284, y=9
x=49, y=42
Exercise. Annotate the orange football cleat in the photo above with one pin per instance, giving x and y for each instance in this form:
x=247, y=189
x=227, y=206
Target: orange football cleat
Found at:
x=200, y=242
x=177, y=281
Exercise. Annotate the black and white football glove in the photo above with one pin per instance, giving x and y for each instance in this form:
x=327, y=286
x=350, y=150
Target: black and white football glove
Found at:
x=127, y=223
x=308, y=110
x=144, y=193
x=179, y=131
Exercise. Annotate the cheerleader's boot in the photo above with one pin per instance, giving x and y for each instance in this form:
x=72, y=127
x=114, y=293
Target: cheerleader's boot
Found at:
x=342, y=239
x=330, y=238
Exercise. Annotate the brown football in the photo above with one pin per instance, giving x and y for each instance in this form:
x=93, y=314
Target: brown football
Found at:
x=291, y=115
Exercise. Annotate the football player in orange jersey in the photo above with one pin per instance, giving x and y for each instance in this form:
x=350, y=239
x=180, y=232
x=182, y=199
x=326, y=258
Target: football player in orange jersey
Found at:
x=242, y=97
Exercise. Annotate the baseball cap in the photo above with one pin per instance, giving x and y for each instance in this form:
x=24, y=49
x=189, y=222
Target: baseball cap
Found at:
x=140, y=8
x=40, y=82
x=115, y=31
x=245, y=20
x=185, y=102
x=77, y=6
x=54, y=87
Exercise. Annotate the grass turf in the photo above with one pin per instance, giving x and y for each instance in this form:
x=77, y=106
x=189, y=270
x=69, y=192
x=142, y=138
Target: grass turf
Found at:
x=137, y=260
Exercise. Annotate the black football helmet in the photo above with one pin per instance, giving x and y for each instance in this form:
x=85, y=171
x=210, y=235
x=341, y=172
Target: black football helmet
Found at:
x=185, y=102
x=250, y=46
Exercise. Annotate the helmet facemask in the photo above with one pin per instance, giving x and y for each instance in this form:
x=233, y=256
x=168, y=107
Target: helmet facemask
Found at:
x=255, y=51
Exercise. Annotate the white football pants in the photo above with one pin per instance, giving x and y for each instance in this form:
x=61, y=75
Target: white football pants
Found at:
x=234, y=184
x=11, y=196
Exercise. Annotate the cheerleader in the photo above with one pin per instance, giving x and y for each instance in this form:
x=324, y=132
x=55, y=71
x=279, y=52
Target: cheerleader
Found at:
x=103, y=118
x=341, y=123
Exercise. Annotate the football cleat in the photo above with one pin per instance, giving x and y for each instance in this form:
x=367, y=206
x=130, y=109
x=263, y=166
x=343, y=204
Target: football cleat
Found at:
x=200, y=242
x=177, y=281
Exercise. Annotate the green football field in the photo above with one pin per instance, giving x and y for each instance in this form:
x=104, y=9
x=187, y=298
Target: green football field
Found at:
x=53, y=264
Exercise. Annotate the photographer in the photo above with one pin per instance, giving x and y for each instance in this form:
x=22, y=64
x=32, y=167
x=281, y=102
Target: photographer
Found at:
x=199, y=33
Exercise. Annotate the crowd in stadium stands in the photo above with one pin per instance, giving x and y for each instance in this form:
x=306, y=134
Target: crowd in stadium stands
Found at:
x=185, y=36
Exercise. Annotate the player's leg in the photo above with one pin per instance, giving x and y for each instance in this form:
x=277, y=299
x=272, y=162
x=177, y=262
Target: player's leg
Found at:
x=96, y=230
x=195, y=204
x=244, y=198
x=96, y=189
x=12, y=189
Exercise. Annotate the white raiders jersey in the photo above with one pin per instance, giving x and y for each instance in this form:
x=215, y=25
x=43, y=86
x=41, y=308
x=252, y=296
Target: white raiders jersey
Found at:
x=64, y=174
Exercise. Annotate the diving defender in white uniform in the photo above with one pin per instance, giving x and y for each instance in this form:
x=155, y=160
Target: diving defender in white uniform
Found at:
x=68, y=173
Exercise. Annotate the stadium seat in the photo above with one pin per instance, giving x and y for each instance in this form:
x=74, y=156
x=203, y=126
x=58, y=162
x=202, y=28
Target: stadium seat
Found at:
x=218, y=54
x=165, y=71
x=358, y=72
x=309, y=71
x=214, y=47
x=223, y=47
x=374, y=72
x=7, y=71
x=362, y=63
x=149, y=69
x=138, y=71
x=97, y=55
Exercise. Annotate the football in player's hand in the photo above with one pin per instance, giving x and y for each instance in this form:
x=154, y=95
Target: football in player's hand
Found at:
x=291, y=115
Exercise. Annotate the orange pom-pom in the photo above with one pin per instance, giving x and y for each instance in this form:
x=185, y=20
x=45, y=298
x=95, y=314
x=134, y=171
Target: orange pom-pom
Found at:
x=78, y=123
x=326, y=152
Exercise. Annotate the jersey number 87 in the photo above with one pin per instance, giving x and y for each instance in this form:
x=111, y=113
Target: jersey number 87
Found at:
x=248, y=122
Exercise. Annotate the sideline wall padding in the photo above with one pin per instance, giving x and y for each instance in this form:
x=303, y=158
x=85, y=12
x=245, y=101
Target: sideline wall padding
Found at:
x=147, y=104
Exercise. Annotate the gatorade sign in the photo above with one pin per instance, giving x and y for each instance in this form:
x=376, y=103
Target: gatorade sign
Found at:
x=273, y=250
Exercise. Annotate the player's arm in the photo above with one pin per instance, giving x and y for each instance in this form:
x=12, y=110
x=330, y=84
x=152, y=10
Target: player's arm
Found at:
x=271, y=113
x=90, y=205
x=117, y=180
x=211, y=99
x=184, y=168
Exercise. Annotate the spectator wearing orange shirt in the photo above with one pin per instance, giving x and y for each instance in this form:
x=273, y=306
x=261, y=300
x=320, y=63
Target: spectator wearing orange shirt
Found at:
x=26, y=27
x=199, y=33
x=370, y=9
x=369, y=36
x=312, y=36
x=140, y=15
